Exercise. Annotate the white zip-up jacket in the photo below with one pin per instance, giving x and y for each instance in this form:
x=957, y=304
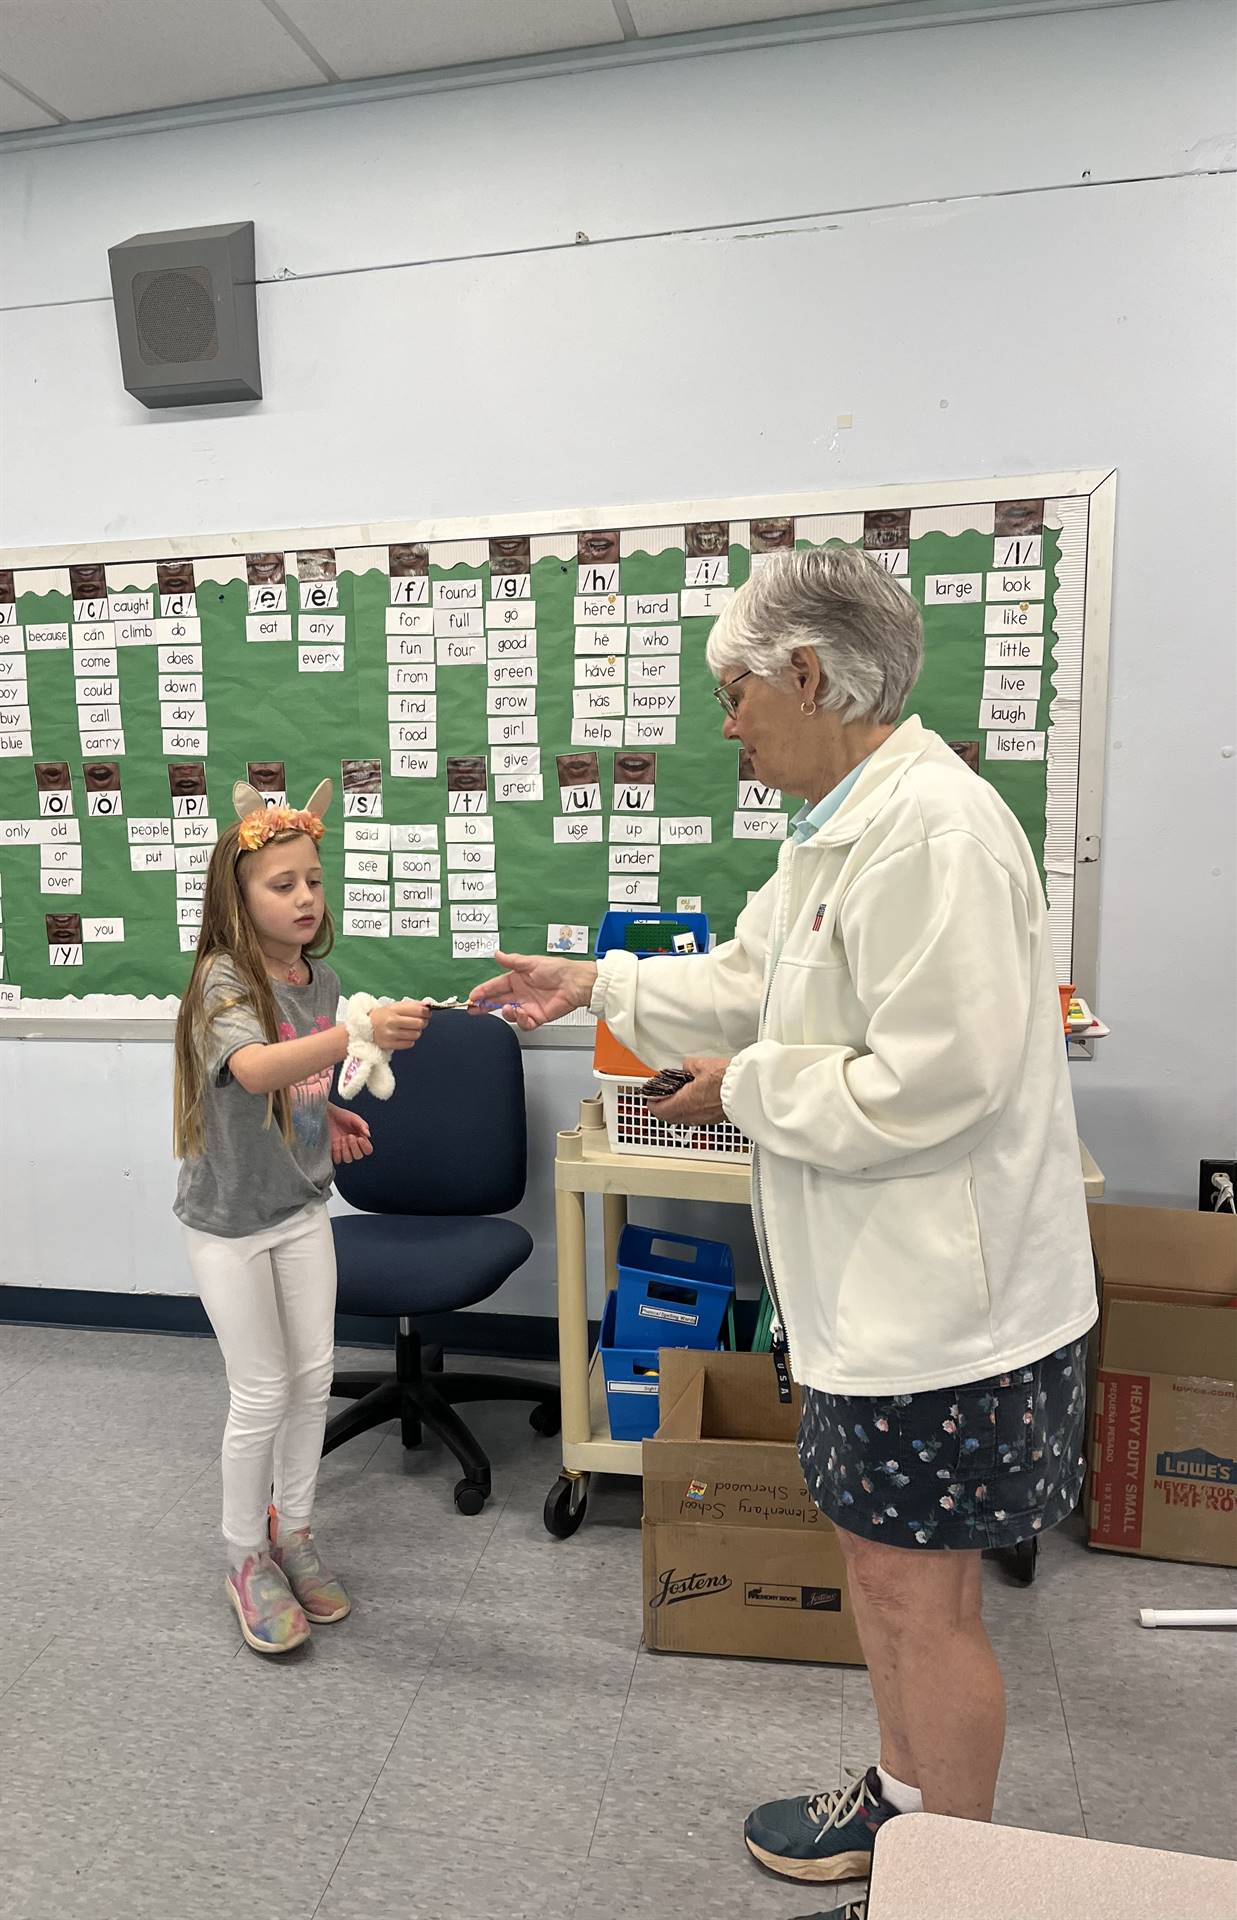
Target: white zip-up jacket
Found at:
x=891, y=1006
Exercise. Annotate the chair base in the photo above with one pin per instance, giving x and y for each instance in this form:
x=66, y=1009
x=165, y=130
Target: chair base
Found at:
x=419, y=1394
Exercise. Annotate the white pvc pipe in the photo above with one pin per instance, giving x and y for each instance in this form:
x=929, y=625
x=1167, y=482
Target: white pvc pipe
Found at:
x=1188, y=1616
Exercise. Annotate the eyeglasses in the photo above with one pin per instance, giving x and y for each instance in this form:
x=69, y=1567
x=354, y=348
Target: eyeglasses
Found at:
x=724, y=696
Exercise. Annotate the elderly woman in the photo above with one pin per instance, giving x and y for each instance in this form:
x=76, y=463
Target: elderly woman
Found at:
x=888, y=1011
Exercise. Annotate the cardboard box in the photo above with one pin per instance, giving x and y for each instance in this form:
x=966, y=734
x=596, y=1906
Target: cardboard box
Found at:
x=738, y=1559
x=1164, y=1406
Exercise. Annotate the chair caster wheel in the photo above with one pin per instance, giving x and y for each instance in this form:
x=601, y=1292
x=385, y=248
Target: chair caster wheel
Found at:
x=1018, y=1561
x=546, y=1419
x=1023, y=1561
x=469, y=1498
x=565, y=1507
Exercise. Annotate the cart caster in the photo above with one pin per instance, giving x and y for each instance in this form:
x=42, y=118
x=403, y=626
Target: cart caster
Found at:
x=546, y=1418
x=566, y=1505
x=1017, y=1561
x=469, y=1497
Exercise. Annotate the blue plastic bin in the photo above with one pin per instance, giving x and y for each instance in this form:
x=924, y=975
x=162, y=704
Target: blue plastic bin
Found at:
x=611, y=931
x=673, y=1288
x=632, y=1383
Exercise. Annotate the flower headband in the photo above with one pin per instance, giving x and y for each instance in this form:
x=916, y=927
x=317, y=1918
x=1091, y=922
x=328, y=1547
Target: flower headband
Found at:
x=260, y=823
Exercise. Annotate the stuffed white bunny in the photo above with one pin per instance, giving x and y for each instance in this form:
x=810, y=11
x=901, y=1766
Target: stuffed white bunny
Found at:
x=366, y=1064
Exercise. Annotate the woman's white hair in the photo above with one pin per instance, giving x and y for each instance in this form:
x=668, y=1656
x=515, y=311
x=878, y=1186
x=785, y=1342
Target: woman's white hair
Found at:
x=863, y=628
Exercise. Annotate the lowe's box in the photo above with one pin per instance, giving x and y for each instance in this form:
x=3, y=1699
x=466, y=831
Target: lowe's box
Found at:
x=738, y=1559
x=1164, y=1408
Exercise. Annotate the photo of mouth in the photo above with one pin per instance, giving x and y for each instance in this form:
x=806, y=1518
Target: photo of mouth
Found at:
x=771, y=536
x=186, y=777
x=103, y=776
x=707, y=539
x=1016, y=519
x=577, y=769
x=887, y=528
x=268, y=776
x=466, y=774
x=362, y=776
x=635, y=769
x=88, y=582
x=597, y=549
x=175, y=576
x=511, y=554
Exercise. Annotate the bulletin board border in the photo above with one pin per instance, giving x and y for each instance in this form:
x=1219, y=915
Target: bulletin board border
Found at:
x=153, y=1019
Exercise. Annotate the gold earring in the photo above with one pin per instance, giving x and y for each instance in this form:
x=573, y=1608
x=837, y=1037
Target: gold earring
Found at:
x=807, y=706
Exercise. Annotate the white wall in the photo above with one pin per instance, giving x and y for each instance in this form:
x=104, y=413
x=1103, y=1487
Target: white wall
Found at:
x=1001, y=248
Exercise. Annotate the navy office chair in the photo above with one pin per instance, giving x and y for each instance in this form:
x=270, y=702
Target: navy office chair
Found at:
x=450, y=1151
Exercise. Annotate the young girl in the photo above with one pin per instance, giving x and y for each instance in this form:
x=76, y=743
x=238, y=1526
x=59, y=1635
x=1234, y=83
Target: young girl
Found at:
x=256, y=1042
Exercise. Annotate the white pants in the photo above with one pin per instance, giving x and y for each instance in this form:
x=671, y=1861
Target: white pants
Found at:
x=271, y=1299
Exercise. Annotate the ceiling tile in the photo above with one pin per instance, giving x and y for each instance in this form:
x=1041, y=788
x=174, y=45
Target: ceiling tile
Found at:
x=17, y=113
x=410, y=36
x=91, y=59
x=652, y=17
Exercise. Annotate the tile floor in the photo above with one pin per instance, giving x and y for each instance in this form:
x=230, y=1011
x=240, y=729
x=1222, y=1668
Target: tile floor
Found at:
x=484, y=1739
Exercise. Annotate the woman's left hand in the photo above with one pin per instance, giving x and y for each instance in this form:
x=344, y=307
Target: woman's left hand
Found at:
x=699, y=1102
x=349, y=1136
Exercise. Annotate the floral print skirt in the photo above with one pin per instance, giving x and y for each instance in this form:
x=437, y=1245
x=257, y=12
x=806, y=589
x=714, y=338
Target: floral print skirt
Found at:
x=974, y=1466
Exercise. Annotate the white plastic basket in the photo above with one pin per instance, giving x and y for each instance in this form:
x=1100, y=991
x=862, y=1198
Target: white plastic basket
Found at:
x=634, y=1129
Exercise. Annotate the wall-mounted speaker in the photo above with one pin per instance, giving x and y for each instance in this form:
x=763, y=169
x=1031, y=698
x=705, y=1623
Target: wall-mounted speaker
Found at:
x=187, y=316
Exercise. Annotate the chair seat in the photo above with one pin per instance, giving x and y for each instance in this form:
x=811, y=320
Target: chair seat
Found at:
x=423, y=1263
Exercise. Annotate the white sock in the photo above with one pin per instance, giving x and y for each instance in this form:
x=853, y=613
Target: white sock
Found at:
x=902, y=1798
x=285, y=1528
x=237, y=1556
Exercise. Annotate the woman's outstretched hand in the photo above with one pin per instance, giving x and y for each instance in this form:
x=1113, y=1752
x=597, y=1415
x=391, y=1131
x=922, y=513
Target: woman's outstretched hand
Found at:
x=534, y=989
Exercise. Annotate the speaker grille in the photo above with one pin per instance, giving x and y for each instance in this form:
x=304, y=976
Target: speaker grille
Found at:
x=175, y=315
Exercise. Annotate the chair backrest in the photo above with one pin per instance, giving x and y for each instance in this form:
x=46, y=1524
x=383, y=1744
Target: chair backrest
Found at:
x=453, y=1137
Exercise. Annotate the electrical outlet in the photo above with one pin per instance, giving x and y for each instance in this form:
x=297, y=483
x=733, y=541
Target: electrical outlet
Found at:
x=1206, y=1192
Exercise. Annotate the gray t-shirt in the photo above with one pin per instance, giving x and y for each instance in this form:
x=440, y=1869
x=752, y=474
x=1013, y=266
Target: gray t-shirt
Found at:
x=248, y=1179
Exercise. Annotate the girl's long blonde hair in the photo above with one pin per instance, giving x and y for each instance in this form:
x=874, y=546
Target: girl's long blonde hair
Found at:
x=227, y=930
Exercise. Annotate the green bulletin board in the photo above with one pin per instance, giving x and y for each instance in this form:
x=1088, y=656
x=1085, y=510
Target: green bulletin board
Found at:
x=128, y=667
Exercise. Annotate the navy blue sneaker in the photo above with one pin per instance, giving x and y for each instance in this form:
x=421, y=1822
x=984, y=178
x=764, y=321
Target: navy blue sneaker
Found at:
x=827, y=1836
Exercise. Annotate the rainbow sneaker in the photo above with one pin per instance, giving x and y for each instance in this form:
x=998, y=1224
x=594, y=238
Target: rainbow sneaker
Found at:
x=270, y=1618
x=322, y=1596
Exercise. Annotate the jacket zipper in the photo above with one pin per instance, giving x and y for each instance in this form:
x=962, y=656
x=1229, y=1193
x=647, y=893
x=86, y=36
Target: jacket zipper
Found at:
x=781, y=1345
